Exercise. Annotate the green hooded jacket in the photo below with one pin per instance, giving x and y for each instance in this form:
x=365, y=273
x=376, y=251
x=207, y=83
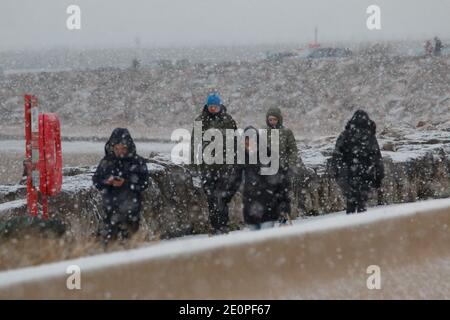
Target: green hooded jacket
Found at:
x=289, y=158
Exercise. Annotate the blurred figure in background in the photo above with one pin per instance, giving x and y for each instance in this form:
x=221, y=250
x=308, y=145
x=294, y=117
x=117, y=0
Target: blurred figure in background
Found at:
x=437, y=46
x=428, y=48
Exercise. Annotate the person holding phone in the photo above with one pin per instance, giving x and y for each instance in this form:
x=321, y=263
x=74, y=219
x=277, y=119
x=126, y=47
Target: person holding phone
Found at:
x=121, y=176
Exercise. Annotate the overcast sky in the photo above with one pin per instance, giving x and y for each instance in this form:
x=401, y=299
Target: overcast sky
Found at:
x=105, y=23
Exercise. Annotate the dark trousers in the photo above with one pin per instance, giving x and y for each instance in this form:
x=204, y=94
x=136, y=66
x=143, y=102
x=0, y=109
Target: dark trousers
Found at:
x=280, y=185
x=218, y=212
x=123, y=228
x=121, y=217
x=357, y=201
x=215, y=185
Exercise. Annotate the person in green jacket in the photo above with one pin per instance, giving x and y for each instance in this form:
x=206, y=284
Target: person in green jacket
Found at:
x=290, y=164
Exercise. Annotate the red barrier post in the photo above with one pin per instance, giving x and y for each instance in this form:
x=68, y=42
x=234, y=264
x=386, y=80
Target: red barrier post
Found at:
x=43, y=156
x=31, y=132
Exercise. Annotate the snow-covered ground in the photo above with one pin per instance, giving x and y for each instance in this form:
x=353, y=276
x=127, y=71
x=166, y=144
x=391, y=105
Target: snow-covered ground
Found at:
x=317, y=96
x=83, y=147
x=75, y=153
x=409, y=143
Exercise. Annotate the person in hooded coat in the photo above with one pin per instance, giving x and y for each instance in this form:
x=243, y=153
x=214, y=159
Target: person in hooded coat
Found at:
x=121, y=176
x=290, y=163
x=258, y=210
x=215, y=177
x=356, y=163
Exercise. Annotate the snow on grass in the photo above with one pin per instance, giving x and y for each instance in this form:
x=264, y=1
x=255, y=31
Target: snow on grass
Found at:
x=189, y=245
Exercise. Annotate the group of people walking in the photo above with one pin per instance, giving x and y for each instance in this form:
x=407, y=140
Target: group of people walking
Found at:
x=265, y=197
x=356, y=164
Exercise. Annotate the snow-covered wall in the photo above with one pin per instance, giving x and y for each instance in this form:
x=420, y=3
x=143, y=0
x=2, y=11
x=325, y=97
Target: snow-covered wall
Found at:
x=416, y=162
x=173, y=206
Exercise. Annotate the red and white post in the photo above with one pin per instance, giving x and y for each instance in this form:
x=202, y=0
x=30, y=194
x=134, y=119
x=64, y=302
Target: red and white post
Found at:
x=32, y=152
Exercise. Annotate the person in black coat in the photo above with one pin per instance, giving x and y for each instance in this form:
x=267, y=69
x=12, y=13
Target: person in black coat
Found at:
x=122, y=176
x=259, y=203
x=356, y=163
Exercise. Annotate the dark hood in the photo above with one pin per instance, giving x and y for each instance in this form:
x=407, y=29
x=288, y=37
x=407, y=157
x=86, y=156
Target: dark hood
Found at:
x=120, y=135
x=275, y=112
x=361, y=121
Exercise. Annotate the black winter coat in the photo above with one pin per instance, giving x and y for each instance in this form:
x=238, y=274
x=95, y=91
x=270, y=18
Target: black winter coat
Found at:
x=127, y=199
x=357, y=164
x=258, y=196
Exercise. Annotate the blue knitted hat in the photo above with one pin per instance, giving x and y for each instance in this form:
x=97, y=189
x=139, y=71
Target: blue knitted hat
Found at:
x=213, y=99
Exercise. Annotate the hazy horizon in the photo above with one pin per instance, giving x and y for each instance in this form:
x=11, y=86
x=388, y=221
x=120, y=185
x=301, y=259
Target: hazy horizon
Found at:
x=28, y=24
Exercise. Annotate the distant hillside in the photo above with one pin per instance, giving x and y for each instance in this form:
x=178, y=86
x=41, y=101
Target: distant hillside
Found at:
x=317, y=96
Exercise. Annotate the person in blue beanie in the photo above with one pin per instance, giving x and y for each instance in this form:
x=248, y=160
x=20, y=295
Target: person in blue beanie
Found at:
x=215, y=177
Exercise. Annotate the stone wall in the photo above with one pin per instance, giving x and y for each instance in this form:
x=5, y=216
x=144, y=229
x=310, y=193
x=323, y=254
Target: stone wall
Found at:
x=174, y=204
